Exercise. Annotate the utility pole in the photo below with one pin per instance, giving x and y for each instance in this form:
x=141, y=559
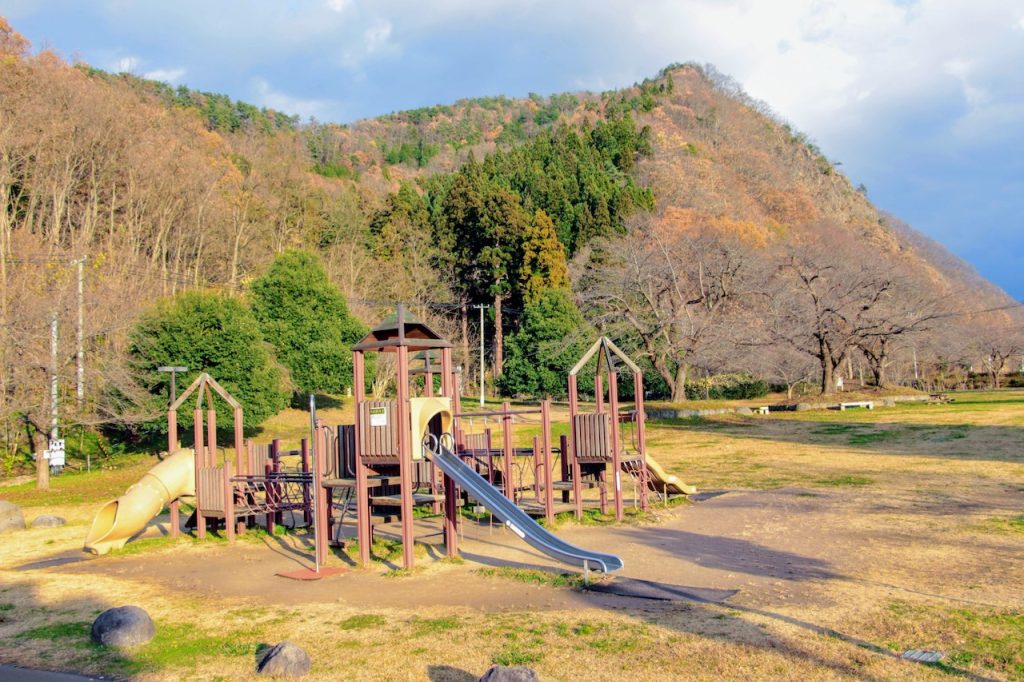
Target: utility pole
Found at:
x=481, y=306
x=80, y=369
x=53, y=377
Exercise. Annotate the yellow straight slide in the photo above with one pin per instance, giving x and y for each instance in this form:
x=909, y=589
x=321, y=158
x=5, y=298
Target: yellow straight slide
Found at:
x=119, y=520
x=665, y=482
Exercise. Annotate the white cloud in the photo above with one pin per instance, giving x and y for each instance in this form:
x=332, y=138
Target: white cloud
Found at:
x=374, y=41
x=337, y=5
x=165, y=75
x=267, y=96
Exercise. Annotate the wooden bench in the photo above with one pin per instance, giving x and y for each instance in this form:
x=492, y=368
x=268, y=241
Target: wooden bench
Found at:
x=867, y=404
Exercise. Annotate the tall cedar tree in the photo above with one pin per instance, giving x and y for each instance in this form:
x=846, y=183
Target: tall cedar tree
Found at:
x=307, y=320
x=551, y=339
x=207, y=332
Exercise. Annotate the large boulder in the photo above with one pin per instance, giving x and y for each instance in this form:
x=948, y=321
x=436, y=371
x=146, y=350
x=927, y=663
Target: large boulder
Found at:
x=284, y=659
x=123, y=627
x=745, y=411
x=48, y=521
x=803, y=407
x=502, y=673
x=11, y=517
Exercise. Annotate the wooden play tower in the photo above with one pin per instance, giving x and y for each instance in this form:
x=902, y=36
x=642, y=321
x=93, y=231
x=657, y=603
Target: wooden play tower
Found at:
x=389, y=433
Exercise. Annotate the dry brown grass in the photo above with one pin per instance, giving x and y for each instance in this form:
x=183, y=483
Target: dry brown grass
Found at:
x=935, y=491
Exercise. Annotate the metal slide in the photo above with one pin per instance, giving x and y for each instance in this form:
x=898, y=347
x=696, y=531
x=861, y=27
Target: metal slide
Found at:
x=518, y=521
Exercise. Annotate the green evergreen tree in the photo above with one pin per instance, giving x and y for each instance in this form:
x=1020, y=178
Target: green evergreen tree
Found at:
x=307, y=320
x=551, y=339
x=210, y=333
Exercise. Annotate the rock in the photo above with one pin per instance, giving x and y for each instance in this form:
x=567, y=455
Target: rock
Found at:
x=502, y=673
x=11, y=517
x=123, y=627
x=48, y=521
x=744, y=411
x=803, y=407
x=284, y=659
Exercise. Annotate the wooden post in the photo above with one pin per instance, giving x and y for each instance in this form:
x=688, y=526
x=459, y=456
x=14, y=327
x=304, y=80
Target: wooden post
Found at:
x=490, y=457
x=563, y=447
x=275, y=459
x=506, y=426
x=172, y=446
x=268, y=492
x=323, y=513
x=598, y=391
x=545, y=444
x=613, y=410
x=211, y=437
x=574, y=463
x=536, y=470
x=197, y=429
x=239, y=440
x=229, y=504
x=362, y=477
x=641, y=436
x=405, y=462
x=307, y=515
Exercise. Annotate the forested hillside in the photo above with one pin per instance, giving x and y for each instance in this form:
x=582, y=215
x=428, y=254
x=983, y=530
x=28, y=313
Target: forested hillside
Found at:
x=711, y=240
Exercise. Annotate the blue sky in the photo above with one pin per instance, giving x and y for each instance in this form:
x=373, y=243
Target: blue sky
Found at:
x=923, y=101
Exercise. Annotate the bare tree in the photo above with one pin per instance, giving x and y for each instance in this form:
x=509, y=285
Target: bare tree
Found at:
x=673, y=293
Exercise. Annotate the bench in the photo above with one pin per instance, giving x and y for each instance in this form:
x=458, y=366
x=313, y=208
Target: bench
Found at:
x=867, y=404
x=763, y=409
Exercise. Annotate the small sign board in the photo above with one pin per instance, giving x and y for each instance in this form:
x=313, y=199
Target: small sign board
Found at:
x=378, y=416
x=55, y=453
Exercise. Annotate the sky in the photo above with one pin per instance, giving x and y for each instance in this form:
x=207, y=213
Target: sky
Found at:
x=921, y=101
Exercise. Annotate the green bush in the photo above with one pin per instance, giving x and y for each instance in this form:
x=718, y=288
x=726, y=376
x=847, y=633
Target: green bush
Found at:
x=206, y=332
x=307, y=320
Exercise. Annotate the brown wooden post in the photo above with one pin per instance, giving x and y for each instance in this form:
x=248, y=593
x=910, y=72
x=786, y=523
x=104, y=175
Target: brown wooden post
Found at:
x=211, y=434
x=172, y=446
x=323, y=513
x=536, y=470
x=362, y=477
x=613, y=410
x=307, y=515
x=239, y=440
x=447, y=378
x=229, y=504
x=197, y=430
x=574, y=463
x=545, y=443
x=506, y=426
x=268, y=493
x=598, y=391
x=405, y=462
x=275, y=459
x=563, y=447
x=641, y=436
x=490, y=457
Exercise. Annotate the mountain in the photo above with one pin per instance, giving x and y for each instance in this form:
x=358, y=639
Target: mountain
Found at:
x=161, y=189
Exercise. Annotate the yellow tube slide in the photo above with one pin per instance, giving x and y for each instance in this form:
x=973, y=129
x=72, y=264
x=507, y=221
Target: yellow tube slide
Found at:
x=665, y=482
x=120, y=519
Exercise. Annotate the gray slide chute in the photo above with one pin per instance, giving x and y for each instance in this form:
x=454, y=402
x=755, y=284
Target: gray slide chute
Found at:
x=518, y=521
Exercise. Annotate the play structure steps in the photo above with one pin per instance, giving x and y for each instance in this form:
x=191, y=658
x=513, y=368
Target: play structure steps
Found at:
x=417, y=499
x=518, y=521
x=567, y=485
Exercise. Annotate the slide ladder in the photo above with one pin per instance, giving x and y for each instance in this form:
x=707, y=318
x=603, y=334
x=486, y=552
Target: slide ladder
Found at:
x=518, y=521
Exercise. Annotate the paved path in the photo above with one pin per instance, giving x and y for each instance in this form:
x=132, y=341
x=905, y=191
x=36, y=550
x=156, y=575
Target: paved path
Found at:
x=10, y=673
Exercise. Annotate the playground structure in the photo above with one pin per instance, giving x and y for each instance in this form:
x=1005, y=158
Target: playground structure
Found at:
x=401, y=453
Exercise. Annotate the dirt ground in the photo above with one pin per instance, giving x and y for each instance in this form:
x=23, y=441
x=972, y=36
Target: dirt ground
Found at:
x=837, y=542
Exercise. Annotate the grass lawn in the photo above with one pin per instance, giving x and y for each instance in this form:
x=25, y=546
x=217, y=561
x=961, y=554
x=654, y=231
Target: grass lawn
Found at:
x=907, y=520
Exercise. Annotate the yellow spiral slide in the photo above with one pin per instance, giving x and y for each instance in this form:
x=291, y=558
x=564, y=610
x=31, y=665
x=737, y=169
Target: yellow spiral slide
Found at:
x=121, y=519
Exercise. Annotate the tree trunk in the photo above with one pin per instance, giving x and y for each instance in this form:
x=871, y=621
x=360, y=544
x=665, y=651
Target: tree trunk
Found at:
x=499, y=339
x=42, y=464
x=679, y=383
x=828, y=383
